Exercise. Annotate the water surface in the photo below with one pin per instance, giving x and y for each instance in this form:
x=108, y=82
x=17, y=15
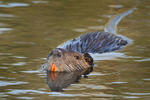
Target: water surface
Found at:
x=29, y=29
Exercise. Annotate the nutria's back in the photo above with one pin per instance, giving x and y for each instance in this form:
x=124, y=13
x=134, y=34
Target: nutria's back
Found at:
x=95, y=42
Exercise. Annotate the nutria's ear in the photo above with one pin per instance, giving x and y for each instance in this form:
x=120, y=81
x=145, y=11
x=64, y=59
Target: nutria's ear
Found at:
x=77, y=57
x=88, y=58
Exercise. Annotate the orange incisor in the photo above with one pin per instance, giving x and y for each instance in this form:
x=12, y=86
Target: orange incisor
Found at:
x=53, y=67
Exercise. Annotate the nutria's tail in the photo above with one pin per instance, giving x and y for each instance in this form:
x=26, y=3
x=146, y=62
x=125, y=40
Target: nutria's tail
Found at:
x=99, y=42
x=111, y=26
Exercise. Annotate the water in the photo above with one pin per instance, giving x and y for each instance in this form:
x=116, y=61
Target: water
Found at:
x=29, y=29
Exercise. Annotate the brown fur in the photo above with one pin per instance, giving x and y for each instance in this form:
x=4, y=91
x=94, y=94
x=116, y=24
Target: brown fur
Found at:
x=66, y=60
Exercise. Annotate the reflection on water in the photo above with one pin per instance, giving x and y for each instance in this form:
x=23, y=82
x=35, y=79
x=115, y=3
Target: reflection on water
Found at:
x=29, y=29
x=59, y=80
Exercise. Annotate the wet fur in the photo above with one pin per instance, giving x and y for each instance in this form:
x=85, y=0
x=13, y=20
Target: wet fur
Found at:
x=68, y=60
x=95, y=42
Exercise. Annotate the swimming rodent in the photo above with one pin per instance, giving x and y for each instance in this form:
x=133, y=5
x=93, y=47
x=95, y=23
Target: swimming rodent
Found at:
x=74, y=54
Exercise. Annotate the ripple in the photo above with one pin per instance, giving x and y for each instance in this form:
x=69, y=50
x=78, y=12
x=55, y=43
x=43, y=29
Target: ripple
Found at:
x=146, y=79
x=28, y=98
x=80, y=30
x=3, y=67
x=19, y=64
x=2, y=30
x=96, y=74
x=17, y=91
x=3, y=54
x=31, y=71
x=143, y=60
x=82, y=95
x=5, y=83
x=111, y=56
x=119, y=82
x=36, y=2
x=2, y=24
x=116, y=6
x=23, y=42
x=9, y=5
x=20, y=57
x=3, y=95
x=108, y=56
x=96, y=27
x=39, y=59
x=2, y=77
x=99, y=20
x=64, y=95
x=6, y=78
x=131, y=97
x=129, y=93
x=90, y=86
x=6, y=15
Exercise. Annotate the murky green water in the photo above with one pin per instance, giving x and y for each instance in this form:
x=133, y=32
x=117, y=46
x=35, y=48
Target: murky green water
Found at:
x=29, y=29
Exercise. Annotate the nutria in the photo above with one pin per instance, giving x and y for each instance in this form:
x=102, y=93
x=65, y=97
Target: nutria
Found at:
x=74, y=54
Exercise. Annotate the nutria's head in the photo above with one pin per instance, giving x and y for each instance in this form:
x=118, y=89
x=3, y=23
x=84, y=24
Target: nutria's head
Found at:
x=62, y=60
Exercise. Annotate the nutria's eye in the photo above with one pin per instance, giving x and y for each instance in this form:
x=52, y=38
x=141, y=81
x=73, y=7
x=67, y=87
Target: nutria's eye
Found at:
x=77, y=57
x=58, y=55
